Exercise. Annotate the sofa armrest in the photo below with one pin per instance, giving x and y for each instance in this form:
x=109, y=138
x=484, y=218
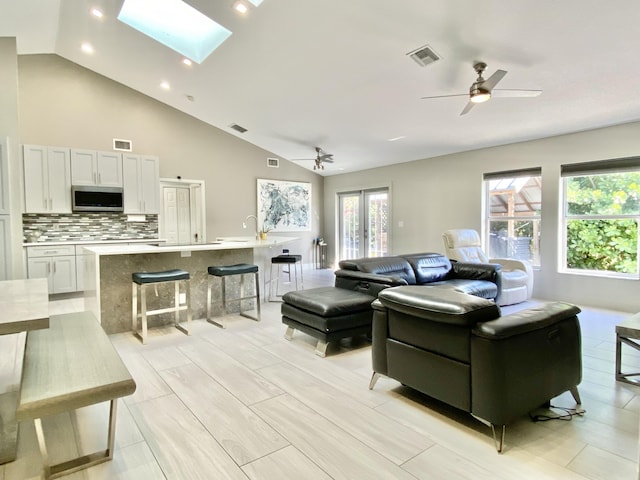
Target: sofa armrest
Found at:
x=475, y=271
x=525, y=321
x=379, y=335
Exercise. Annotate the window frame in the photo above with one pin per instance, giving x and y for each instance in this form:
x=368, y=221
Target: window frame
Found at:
x=595, y=168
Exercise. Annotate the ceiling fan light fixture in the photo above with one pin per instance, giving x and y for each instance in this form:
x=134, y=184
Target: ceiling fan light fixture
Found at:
x=479, y=95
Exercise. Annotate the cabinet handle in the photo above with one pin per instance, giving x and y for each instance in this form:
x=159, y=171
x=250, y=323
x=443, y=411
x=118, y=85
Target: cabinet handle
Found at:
x=99, y=178
x=48, y=268
x=95, y=177
x=54, y=267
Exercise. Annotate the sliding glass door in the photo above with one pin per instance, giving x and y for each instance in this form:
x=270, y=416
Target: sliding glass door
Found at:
x=364, y=223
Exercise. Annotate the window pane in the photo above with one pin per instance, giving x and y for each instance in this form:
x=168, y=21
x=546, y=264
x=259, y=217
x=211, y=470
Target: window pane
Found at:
x=603, y=245
x=523, y=243
x=350, y=240
x=519, y=196
x=377, y=225
x=610, y=194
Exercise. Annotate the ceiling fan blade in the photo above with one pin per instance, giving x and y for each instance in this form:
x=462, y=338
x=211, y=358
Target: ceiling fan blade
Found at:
x=500, y=92
x=327, y=160
x=445, y=96
x=326, y=156
x=491, y=82
x=468, y=107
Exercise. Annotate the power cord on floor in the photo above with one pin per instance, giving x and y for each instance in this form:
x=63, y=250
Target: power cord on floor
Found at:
x=567, y=416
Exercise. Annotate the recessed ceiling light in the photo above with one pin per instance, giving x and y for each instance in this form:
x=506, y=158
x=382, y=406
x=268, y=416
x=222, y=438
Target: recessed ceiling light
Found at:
x=187, y=62
x=256, y=3
x=241, y=7
x=396, y=138
x=176, y=25
x=165, y=86
x=87, y=47
x=96, y=12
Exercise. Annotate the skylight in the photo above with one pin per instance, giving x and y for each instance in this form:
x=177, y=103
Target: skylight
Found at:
x=175, y=24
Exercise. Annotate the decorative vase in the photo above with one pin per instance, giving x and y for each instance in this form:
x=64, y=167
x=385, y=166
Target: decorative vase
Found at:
x=262, y=235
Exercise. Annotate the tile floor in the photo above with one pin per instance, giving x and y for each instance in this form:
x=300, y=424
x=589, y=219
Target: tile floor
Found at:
x=244, y=403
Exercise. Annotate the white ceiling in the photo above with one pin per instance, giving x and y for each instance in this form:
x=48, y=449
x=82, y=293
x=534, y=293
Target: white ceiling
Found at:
x=334, y=73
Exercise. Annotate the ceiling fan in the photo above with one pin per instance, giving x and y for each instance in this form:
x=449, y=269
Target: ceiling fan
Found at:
x=322, y=157
x=482, y=90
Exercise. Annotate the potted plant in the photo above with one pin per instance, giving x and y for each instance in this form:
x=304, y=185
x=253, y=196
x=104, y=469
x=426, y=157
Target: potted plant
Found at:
x=262, y=234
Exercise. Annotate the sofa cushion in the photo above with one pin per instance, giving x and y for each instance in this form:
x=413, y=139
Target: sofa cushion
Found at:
x=439, y=303
x=428, y=267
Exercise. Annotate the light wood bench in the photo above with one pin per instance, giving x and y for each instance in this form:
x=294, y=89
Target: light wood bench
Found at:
x=70, y=365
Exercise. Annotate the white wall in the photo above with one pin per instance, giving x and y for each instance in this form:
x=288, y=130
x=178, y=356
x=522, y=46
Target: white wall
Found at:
x=63, y=104
x=433, y=195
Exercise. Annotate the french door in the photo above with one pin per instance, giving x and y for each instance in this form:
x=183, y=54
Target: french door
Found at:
x=364, y=223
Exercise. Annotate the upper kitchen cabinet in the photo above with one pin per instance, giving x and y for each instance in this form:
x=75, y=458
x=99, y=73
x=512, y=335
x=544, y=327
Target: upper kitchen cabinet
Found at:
x=47, y=179
x=141, y=175
x=4, y=178
x=89, y=167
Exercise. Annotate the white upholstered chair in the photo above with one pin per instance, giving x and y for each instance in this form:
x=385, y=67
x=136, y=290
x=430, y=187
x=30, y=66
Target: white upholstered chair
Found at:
x=517, y=275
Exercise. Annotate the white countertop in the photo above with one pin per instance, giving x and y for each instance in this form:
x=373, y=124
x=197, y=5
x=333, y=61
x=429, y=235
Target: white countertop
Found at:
x=227, y=243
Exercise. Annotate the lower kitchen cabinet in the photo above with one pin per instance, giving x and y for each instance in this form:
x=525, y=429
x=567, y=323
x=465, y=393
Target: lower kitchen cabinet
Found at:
x=56, y=264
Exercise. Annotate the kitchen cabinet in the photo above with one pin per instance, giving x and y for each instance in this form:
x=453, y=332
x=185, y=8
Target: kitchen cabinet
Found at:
x=5, y=248
x=141, y=179
x=57, y=264
x=4, y=178
x=89, y=167
x=47, y=179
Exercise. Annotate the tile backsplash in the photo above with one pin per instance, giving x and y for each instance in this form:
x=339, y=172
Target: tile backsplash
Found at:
x=40, y=227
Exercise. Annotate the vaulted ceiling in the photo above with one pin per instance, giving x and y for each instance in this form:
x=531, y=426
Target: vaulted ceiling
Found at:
x=334, y=73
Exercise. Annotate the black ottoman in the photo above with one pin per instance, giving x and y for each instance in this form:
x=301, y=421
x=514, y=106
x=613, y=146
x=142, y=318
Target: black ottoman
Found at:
x=327, y=313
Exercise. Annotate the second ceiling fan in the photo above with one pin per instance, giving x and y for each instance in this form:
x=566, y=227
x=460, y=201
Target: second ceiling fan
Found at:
x=482, y=90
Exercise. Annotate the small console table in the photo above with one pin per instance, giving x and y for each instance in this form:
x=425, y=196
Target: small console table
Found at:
x=627, y=332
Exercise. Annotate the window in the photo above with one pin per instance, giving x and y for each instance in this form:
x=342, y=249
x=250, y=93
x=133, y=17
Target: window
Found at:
x=601, y=217
x=513, y=215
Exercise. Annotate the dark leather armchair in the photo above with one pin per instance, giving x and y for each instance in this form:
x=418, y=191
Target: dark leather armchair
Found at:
x=458, y=349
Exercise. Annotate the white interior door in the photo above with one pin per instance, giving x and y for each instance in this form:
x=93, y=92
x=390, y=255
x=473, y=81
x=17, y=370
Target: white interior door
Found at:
x=182, y=215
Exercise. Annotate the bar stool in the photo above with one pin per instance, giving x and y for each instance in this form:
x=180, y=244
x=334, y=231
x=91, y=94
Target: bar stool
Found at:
x=294, y=261
x=140, y=280
x=224, y=271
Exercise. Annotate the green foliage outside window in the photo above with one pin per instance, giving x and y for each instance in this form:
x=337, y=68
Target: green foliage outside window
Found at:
x=595, y=241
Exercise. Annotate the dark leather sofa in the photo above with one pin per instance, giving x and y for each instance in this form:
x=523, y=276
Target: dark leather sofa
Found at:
x=458, y=349
x=344, y=310
x=479, y=279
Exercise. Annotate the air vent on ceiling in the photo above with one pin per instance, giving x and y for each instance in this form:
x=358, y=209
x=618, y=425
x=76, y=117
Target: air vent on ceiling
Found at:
x=238, y=128
x=273, y=162
x=122, y=145
x=424, y=56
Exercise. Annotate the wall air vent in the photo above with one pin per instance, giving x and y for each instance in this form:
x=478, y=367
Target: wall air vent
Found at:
x=238, y=128
x=424, y=55
x=273, y=162
x=122, y=145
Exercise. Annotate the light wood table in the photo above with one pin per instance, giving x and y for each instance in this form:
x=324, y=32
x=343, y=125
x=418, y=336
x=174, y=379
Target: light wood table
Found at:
x=24, y=306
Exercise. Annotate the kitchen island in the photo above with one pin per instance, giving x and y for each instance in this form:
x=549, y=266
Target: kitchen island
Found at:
x=108, y=271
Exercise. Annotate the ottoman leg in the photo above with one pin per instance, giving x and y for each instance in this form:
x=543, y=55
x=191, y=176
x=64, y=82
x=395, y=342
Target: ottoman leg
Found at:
x=321, y=348
x=289, y=333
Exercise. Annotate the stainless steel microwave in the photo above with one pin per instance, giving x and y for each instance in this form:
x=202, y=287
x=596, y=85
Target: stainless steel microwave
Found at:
x=86, y=198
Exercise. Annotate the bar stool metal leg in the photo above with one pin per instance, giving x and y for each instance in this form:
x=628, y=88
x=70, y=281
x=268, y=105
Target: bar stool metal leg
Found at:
x=210, y=319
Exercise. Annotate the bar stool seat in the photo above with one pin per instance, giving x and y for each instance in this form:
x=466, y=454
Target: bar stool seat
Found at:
x=224, y=271
x=285, y=259
x=140, y=280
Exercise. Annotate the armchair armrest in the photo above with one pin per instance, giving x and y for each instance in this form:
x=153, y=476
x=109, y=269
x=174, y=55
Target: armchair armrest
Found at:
x=510, y=264
x=525, y=321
